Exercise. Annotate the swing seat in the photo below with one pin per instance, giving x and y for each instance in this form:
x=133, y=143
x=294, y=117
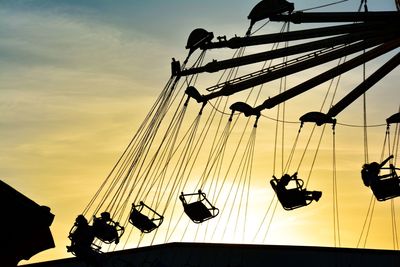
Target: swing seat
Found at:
x=106, y=229
x=290, y=199
x=198, y=211
x=143, y=222
x=81, y=250
x=385, y=189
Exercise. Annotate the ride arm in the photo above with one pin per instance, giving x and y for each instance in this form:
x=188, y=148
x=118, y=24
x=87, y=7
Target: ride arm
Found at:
x=346, y=34
x=311, y=83
x=268, y=76
x=391, y=17
x=279, y=53
x=365, y=85
x=238, y=42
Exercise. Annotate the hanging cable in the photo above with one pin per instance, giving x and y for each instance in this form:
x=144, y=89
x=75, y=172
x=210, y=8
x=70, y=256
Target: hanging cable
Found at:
x=203, y=177
x=157, y=105
x=368, y=217
x=283, y=87
x=273, y=201
x=290, y=158
x=369, y=223
x=232, y=73
x=322, y=6
x=336, y=224
x=243, y=175
x=366, y=160
x=396, y=141
x=262, y=26
x=270, y=222
x=146, y=173
x=394, y=225
x=395, y=148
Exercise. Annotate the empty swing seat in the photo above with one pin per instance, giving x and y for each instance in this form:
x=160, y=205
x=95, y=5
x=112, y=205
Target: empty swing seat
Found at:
x=198, y=211
x=143, y=222
x=106, y=229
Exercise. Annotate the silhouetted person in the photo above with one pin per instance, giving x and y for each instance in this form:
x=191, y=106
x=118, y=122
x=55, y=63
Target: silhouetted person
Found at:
x=284, y=181
x=370, y=172
x=384, y=186
x=82, y=238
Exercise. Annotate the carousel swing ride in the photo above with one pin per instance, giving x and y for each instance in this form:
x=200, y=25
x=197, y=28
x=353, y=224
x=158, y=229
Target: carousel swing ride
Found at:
x=145, y=186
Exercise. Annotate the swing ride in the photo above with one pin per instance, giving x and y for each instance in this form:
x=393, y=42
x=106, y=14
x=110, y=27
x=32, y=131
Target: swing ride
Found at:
x=165, y=156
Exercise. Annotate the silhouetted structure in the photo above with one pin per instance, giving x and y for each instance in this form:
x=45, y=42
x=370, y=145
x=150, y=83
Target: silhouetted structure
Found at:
x=24, y=227
x=224, y=255
x=138, y=173
x=267, y=8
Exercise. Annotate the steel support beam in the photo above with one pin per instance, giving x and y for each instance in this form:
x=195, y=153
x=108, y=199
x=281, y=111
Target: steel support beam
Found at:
x=215, y=66
x=390, y=17
x=364, y=86
x=230, y=89
x=323, y=77
x=237, y=42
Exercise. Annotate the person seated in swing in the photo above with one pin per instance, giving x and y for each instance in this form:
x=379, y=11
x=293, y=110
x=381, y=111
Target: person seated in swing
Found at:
x=370, y=171
x=81, y=238
x=384, y=186
x=106, y=229
x=292, y=197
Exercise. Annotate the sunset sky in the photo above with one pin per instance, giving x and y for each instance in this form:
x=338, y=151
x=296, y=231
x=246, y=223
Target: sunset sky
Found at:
x=77, y=77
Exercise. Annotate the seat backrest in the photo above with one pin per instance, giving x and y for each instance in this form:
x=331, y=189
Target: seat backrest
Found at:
x=274, y=184
x=141, y=221
x=198, y=212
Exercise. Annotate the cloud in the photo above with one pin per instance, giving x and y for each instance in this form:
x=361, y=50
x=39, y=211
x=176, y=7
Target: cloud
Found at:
x=53, y=39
